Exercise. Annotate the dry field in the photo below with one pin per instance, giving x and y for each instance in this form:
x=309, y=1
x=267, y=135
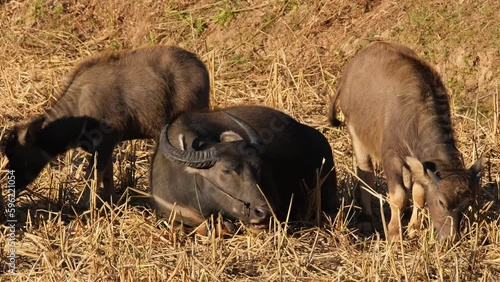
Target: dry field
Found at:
x=284, y=54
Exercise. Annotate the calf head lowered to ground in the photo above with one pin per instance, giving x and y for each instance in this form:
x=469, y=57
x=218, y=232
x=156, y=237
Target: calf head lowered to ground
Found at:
x=110, y=98
x=236, y=162
x=397, y=113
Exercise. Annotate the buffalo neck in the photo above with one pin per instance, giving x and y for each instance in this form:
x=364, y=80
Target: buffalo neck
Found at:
x=435, y=139
x=66, y=133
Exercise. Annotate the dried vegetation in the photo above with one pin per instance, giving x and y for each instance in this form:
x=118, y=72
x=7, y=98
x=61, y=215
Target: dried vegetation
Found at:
x=284, y=54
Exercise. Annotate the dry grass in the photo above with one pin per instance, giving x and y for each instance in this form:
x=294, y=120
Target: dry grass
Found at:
x=285, y=54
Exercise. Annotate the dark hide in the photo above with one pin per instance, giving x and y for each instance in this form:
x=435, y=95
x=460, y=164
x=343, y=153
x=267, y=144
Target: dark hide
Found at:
x=112, y=97
x=289, y=154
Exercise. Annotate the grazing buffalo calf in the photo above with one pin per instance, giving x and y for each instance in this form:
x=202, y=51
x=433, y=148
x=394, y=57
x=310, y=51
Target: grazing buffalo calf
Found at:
x=397, y=113
x=110, y=98
x=215, y=162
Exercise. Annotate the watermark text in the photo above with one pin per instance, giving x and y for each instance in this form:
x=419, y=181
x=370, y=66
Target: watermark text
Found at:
x=10, y=211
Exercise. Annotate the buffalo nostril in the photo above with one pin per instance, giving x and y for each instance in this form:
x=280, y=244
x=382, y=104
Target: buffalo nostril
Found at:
x=260, y=214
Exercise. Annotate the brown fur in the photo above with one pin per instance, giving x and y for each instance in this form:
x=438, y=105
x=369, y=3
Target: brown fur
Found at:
x=109, y=98
x=150, y=85
x=396, y=107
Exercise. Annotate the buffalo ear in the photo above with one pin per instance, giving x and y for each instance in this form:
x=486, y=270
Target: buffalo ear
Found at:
x=423, y=172
x=230, y=136
x=432, y=172
x=199, y=144
x=476, y=171
x=33, y=129
x=7, y=136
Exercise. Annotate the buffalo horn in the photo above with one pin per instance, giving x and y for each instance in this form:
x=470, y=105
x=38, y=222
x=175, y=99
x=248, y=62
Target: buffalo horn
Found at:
x=197, y=159
x=249, y=130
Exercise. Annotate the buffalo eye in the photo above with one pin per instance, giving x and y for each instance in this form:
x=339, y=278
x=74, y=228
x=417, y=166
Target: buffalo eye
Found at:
x=441, y=204
x=231, y=167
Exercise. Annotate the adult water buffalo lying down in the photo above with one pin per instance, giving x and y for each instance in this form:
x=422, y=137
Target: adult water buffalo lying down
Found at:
x=397, y=113
x=210, y=163
x=109, y=98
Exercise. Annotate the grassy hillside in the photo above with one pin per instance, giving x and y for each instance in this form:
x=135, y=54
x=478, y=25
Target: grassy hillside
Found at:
x=284, y=54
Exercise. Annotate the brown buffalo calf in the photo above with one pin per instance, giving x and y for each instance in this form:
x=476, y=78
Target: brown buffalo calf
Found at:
x=397, y=113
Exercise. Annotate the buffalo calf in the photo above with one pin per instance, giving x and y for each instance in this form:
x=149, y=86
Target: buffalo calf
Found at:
x=110, y=98
x=397, y=113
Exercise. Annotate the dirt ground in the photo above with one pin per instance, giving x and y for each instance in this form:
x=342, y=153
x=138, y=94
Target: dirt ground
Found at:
x=285, y=54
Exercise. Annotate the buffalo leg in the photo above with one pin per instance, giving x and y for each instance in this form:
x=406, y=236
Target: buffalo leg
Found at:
x=107, y=180
x=367, y=178
x=329, y=198
x=103, y=173
x=393, y=168
x=418, y=204
x=83, y=202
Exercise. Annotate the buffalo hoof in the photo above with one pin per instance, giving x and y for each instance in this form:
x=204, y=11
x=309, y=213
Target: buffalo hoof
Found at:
x=255, y=231
x=226, y=229
x=223, y=229
x=365, y=228
x=365, y=225
x=393, y=233
x=413, y=232
x=393, y=236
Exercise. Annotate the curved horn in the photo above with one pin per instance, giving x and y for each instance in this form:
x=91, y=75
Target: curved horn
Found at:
x=196, y=159
x=249, y=130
